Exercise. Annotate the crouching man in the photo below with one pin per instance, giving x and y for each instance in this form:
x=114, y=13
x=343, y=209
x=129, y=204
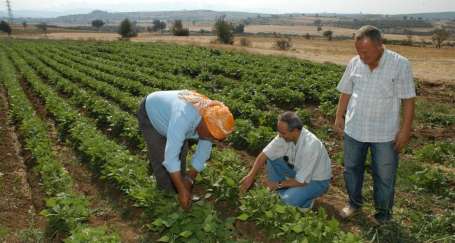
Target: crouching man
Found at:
x=298, y=166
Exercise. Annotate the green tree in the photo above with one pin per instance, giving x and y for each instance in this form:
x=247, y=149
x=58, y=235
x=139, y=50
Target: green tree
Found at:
x=4, y=27
x=224, y=31
x=127, y=29
x=98, y=23
x=178, y=30
x=239, y=29
x=158, y=25
x=439, y=36
x=328, y=34
x=42, y=27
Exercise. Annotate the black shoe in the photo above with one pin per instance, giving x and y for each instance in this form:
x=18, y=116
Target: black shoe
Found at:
x=382, y=218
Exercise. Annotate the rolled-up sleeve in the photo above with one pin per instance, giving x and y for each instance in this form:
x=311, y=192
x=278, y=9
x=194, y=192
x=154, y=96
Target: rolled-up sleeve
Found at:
x=202, y=154
x=405, y=86
x=345, y=85
x=176, y=135
x=276, y=149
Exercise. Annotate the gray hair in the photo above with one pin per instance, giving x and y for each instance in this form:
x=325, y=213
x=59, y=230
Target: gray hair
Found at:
x=369, y=32
x=292, y=119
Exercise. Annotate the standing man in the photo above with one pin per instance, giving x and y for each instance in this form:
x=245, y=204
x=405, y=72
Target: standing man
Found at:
x=298, y=166
x=375, y=84
x=167, y=120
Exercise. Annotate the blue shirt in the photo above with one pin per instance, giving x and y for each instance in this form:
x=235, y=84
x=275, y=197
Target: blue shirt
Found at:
x=176, y=120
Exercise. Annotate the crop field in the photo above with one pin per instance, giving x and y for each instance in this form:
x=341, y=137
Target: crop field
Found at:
x=68, y=123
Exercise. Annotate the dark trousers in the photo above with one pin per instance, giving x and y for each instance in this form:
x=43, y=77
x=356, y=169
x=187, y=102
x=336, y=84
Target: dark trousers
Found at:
x=156, y=144
x=384, y=168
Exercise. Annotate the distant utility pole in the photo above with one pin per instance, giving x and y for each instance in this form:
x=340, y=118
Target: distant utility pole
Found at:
x=10, y=12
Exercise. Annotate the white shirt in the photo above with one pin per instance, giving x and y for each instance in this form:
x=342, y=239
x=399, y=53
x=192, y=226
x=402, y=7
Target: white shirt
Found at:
x=373, y=113
x=309, y=156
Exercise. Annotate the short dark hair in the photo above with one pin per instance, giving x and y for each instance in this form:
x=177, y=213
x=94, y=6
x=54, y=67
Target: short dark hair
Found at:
x=370, y=32
x=292, y=119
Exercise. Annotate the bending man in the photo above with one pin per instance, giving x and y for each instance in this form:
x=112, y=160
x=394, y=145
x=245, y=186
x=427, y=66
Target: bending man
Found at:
x=168, y=119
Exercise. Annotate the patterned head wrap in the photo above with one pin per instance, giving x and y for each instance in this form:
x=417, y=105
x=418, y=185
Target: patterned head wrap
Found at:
x=215, y=114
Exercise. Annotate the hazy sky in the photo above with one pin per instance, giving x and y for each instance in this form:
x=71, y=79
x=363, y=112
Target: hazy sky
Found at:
x=265, y=6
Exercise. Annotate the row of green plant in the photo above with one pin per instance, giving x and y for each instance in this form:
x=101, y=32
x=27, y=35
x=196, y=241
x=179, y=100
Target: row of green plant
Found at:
x=441, y=152
x=125, y=100
x=256, y=138
x=128, y=172
x=272, y=76
x=107, y=116
x=435, y=114
x=67, y=211
x=266, y=209
x=228, y=165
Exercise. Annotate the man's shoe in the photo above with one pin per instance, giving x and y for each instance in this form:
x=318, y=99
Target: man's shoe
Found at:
x=348, y=211
x=380, y=219
x=304, y=210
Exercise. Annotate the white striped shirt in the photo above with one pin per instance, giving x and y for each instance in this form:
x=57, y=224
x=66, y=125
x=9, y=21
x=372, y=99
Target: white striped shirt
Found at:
x=373, y=113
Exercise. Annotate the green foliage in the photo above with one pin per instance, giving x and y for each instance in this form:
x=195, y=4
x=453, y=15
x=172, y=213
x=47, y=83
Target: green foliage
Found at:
x=439, y=119
x=328, y=34
x=127, y=29
x=65, y=209
x=435, y=114
x=128, y=172
x=304, y=116
x=158, y=25
x=329, y=102
x=178, y=30
x=200, y=223
x=92, y=235
x=42, y=26
x=239, y=29
x=98, y=23
x=439, y=36
x=3, y=232
x=433, y=181
x=4, y=27
x=287, y=222
x=224, y=31
x=66, y=212
x=222, y=175
x=434, y=228
x=439, y=152
x=247, y=137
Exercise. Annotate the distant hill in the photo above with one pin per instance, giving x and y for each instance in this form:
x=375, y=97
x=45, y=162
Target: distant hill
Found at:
x=116, y=17
x=431, y=16
x=40, y=14
x=198, y=16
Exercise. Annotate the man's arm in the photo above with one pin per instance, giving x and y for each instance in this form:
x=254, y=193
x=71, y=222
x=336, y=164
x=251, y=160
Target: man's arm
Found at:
x=404, y=135
x=184, y=194
x=248, y=180
x=341, y=111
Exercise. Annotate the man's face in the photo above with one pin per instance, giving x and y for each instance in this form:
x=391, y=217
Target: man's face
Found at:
x=368, y=50
x=283, y=132
x=204, y=133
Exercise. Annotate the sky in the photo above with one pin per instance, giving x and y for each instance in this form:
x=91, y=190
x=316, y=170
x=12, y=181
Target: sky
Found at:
x=258, y=6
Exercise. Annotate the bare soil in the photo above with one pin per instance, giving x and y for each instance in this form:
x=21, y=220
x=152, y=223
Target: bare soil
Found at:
x=108, y=207
x=17, y=197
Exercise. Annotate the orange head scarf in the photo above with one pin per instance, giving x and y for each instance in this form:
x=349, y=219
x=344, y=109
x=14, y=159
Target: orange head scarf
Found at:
x=215, y=114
